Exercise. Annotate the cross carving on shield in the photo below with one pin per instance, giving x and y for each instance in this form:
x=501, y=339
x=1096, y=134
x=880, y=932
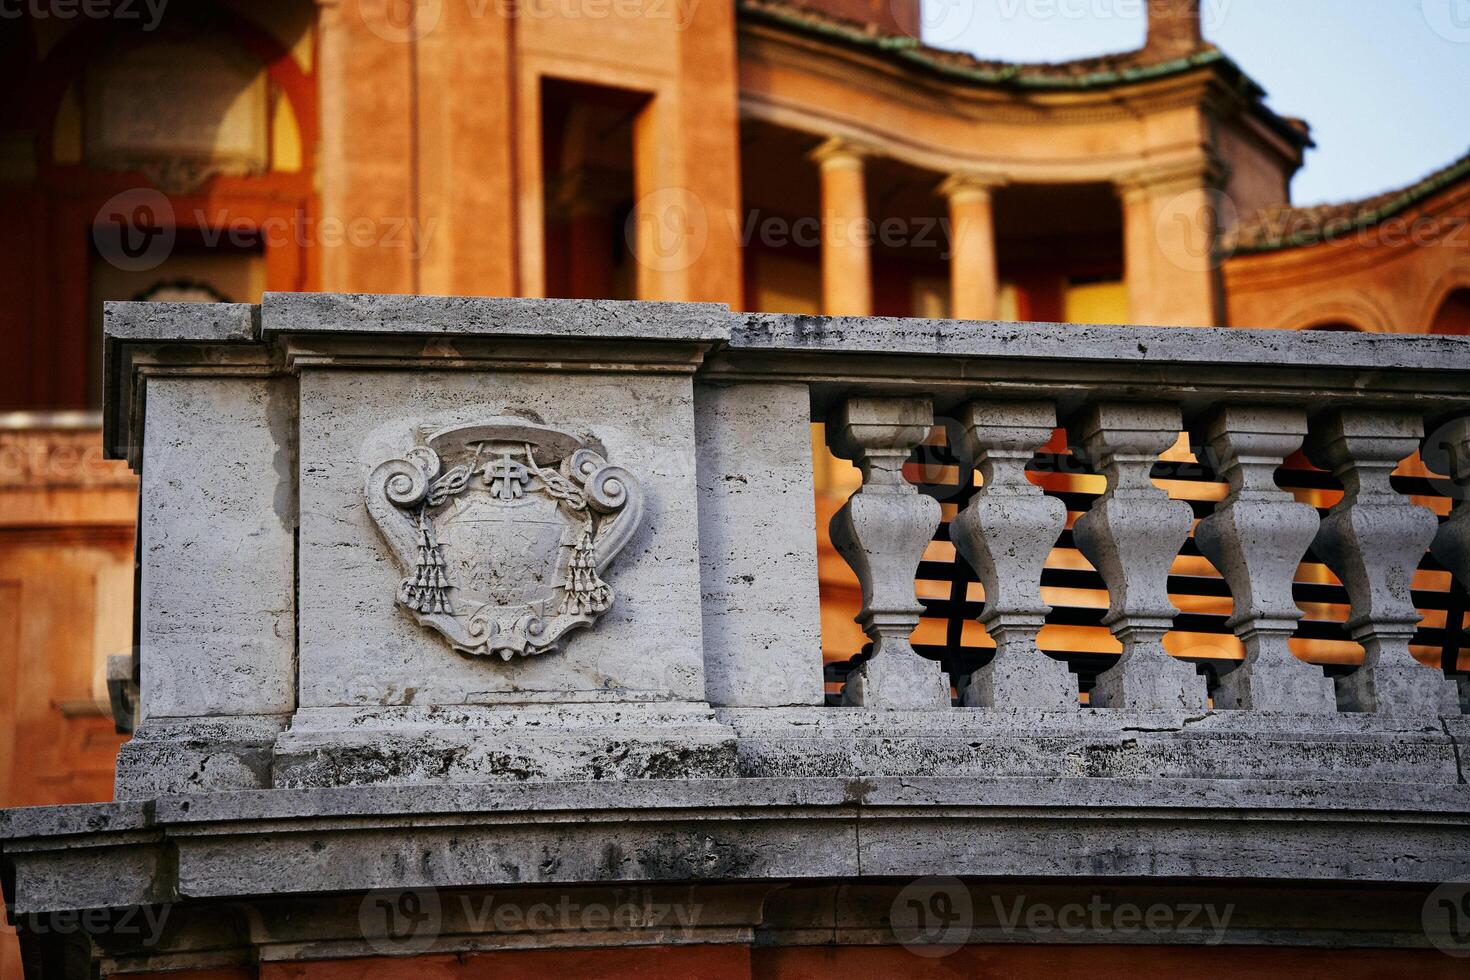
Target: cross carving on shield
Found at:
x=504, y=550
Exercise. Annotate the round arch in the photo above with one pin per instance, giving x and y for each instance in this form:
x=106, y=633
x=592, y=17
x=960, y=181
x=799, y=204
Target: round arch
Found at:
x=1354, y=311
x=82, y=45
x=1453, y=316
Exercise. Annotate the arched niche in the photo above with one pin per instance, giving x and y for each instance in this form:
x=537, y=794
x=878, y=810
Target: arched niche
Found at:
x=1453, y=316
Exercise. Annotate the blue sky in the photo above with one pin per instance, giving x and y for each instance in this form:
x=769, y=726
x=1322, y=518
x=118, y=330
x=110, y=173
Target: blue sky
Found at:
x=1384, y=83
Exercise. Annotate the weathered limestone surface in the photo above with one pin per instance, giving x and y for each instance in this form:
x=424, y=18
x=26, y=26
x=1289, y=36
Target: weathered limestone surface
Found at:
x=359, y=648
x=1108, y=743
x=758, y=547
x=559, y=742
x=1132, y=535
x=1257, y=537
x=358, y=313
x=189, y=755
x=352, y=838
x=1005, y=532
x=217, y=591
x=218, y=518
x=183, y=322
x=882, y=532
x=1373, y=540
x=166, y=325
x=1085, y=342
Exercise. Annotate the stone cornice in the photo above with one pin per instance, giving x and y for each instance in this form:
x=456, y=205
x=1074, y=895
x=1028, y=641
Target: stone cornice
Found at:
x=313, y=841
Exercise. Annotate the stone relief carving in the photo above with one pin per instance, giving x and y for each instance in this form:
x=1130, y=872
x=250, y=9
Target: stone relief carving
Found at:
x=504, y=529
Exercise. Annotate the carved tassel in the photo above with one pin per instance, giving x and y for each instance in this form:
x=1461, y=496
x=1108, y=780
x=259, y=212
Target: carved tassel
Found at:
x=586, y=592
x=428, y=590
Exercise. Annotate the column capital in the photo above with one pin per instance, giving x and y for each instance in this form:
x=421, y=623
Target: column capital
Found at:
x=1172, y=175
x=971, y=183
x=839, y=151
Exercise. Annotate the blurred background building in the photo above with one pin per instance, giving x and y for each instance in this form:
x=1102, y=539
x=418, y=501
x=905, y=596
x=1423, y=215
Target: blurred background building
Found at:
x=805, y=156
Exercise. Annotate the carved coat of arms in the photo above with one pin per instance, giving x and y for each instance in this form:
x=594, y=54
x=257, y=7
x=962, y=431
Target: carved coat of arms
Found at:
x=504, y=529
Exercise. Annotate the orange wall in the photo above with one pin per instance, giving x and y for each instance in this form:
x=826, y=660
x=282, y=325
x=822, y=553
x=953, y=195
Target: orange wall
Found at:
x=873, y=963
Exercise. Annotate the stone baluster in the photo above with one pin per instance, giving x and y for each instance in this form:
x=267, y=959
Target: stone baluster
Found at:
x=1132, y=535
x=1257, y=538
x=1373, y=540
x=1448, y=450
x=882, y=531
x=1005, y=532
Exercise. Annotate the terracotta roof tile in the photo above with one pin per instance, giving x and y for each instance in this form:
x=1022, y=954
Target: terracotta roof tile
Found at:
x=1293, y=227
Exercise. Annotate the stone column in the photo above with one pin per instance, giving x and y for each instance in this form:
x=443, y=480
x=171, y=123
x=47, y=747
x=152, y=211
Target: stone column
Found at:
x=1171, y=226
x=1005, y=532
x=847, y=262
x=1373, y=540
x=974, y=279
x=1448, y=449
x=1132, y=535
x=1257, y=537
x=882, y=532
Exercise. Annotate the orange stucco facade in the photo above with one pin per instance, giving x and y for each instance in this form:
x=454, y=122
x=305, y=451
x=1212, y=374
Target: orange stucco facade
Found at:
x=468, y=148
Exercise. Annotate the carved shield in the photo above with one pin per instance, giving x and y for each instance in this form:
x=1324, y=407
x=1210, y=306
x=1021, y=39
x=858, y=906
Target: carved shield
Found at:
x=503, y=529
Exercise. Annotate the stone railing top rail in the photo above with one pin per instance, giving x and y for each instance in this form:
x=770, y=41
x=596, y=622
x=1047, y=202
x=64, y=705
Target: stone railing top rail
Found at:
x=330, y=313
x=1097, y=342
x=1068, y=361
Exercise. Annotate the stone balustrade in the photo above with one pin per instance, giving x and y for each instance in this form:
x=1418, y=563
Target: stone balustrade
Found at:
x=484, y=425
x=412, y=558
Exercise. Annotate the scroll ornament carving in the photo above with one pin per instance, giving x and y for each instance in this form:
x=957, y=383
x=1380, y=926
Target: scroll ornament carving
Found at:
x=504, y=550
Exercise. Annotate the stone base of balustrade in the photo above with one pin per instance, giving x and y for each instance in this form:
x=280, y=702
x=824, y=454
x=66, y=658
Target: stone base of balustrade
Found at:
x=295, y=873
x=1100, y=743
x=198, y=755
x=617, y=742
x=658, y=740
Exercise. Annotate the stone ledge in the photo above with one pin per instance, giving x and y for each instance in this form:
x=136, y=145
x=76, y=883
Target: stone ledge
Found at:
x=1217, y=745
x=309, y=841
x=1131, y=345
x=361, y=313
x=476, y=745
x=214, y=323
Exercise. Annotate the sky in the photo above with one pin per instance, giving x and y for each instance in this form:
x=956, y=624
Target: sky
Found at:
x=1384, y=83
